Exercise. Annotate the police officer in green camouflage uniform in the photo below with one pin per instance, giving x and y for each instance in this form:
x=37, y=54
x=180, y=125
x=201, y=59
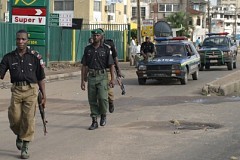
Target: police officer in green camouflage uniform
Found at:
x=97, y=59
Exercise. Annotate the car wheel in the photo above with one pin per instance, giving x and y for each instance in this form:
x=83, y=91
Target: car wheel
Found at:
x=195, y=75
x=230, y=65
x=207, y=66
x=141, y=81
x=185, y=79
x=234, y=65
x=201, y=67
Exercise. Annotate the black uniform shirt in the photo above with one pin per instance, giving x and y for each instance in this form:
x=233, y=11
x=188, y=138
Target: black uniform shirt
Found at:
x=147, y=47
x=26, y=68
x=112, y=47
x=99, y=58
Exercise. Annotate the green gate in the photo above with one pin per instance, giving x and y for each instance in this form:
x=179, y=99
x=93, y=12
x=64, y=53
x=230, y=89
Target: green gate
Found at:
x=66, y=44
x=83, y=36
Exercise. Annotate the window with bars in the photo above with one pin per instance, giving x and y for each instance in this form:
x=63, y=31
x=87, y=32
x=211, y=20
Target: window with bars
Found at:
x=142, y=10
x=111, y=8
x=168, y=8
x=134, y=12
x=97, y=6
x=63, y=5
x=125, y=9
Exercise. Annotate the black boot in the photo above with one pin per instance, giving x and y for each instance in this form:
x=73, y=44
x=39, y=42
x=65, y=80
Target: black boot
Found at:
x=111, y=107
x=24, y=151
x=103, y=120
x=94, y=124
x=19, y=143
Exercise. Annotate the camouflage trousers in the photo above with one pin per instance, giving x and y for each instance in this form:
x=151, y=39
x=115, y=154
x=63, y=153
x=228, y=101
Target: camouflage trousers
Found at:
x=98, y=93
x=21, y=112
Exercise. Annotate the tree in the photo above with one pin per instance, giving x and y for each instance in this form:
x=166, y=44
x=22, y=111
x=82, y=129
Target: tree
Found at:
x=177, y=20
x=133, y=33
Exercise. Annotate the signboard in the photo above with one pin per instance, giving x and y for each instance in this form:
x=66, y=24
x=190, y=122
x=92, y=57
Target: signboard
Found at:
x=29, y=11
x=147, y=27
x=76, y=24
x=54, y=19
x=40, y=29
x=36, y=42
x=217, y=25
x=65, y=19
x=29, y=20
x=6, y=17
x=35, y=35
x=29, y=3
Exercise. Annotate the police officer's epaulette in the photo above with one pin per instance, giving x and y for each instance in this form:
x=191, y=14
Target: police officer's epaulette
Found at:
x=107, y=45
x=37, y=54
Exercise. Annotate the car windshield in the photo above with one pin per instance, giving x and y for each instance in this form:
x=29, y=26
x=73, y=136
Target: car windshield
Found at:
x=171, y=50
x=215, y=41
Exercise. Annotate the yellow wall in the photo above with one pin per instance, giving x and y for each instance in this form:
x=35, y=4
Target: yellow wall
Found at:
x=84, y=9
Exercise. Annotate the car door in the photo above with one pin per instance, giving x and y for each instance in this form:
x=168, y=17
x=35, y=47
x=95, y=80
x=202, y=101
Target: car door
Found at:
x=193, y=59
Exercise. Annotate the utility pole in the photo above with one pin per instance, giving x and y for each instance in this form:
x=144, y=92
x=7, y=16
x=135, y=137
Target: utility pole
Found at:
x=209, y=18
x=235, y=23
x=139, y=23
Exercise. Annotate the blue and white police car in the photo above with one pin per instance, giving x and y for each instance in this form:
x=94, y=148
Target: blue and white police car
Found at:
x=175, y=58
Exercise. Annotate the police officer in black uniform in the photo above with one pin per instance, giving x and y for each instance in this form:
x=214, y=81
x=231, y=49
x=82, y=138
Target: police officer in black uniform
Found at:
x=27, y=76
x=97, y=59
x=147, y=48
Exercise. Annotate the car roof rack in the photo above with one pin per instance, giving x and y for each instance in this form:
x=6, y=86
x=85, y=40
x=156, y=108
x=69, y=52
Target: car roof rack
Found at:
x=159, y=39
x=217, y=34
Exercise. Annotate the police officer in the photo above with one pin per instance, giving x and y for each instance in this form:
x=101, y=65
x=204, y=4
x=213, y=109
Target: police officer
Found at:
x=97, y=59
x=27, y=77
x=111, y=45
x=147, y=48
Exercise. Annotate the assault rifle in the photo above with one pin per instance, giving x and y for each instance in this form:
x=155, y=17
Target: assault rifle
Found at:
x=119, y=80
x=42, y=112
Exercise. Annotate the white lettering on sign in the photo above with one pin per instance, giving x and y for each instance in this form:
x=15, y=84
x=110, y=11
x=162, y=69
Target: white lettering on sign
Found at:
x=38, y=20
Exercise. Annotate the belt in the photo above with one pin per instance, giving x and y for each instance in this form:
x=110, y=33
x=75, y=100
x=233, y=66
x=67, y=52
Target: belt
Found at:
x=22, y=83
x=94, y=72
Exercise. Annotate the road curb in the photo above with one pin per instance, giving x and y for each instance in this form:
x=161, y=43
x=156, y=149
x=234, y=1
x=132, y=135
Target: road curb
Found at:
x=64, y=75
x=224, y=86
x=6, y=84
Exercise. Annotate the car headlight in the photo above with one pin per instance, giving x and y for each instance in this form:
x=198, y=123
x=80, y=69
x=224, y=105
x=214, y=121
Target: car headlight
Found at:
x=142, y=67
x=226, y=53
x=176, y=66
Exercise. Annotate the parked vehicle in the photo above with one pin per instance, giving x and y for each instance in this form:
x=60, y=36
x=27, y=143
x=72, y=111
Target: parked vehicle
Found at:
x=217, y=50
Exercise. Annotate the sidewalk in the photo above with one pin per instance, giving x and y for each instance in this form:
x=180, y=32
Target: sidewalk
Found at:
x=70, y=72
x=61, y=72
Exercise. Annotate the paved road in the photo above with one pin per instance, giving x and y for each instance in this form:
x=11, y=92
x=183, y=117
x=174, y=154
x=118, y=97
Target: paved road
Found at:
x=138, y=129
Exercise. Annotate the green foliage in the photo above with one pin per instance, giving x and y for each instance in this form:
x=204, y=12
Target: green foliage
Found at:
x=134, y=33
x=177, y=20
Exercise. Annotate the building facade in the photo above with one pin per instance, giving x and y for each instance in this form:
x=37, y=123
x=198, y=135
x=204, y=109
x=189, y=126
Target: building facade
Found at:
x=92, y=11
x=229, y=2
x=226, y=17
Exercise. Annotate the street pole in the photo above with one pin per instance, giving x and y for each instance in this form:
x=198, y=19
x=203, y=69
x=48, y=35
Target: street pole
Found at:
x=235, y=23
x=209, y=18
x=138, y=22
